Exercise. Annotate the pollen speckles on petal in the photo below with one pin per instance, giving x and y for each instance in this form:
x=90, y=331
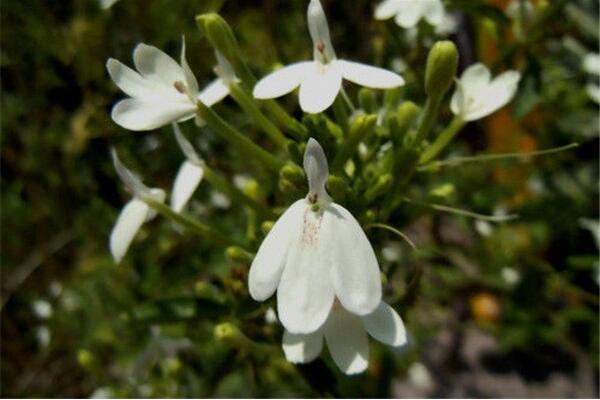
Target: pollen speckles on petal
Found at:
x=311, y=226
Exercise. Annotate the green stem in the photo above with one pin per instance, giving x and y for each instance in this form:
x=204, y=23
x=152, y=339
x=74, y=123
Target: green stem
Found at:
x=289, y=123
x=190, y=223
x=442, y=140
x=225, y=187
x=250, y=106
x=238, y=139
x=432, y=106
x=494, y=157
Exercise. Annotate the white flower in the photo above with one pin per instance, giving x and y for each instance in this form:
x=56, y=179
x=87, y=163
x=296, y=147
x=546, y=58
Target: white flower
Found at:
x=346, y=337
x=42, y=309
x=419, y=375
x=314, y=253
x=161, y=92
x=320, y=80
x=134, y=214
x=190, y=173
x=408, y=13
x=107, y=3
x=591, y=65
x=510, y=275
x=477, y=95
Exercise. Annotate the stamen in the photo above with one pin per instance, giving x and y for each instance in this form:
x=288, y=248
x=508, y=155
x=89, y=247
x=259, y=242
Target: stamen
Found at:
x=180, y=86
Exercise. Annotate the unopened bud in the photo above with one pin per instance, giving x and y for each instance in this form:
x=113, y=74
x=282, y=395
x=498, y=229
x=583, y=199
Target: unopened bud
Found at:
x=267, y=226
x=293, y=173
x=441, y=68
x=252, y=189
x=206, y=291
x=85, y=358
x=230, y=334
x=219, y=34
x=367, y=100
x=234, y=253
x=405, y=118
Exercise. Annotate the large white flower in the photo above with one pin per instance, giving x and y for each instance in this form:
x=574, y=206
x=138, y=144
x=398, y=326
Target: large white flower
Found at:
x=189, y=175
x=320, y=80
x=408, y=13
x=346, y=337
x=314, y=253
x=161, y=91
x=477, y=95
x=134, y=214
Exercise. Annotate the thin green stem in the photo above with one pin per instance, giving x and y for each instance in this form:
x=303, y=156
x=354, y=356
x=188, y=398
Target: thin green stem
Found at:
x=442, y=140
x=251, y=107
x=465, y=213
x=190, y=223
x=236, y=138
x=393, y=230
x=348, y=101
x=493, y=157
x=341, y=115
x=430, y=113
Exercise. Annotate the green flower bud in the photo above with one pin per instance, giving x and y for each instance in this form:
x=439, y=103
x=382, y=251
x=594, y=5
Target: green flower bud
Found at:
x=171, y=366
x=85, y=358
x=267, y=226
x=206, y=291
x=367, y=100
x=293, y=173
x=381, y=186
x=237, y=254
x=230, y=334
x=219, y=34
x=337, y=187
x=443, y=191
x=403, y=120
x=441, y=68
x=252, y=190
x=392, y=96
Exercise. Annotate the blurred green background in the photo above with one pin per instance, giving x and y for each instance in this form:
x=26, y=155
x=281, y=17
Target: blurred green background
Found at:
x=496, y=310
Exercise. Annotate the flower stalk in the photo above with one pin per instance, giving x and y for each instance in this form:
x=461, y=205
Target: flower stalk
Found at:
x=442, y=140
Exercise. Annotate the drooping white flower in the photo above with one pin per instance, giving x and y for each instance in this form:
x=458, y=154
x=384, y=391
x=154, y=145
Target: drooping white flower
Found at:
x=134, y=214
x=346, y=337
x=189, y=175
x=478, y=96
x=314, y=253
x=320, y=80
x=408, y=13
x=161, y=91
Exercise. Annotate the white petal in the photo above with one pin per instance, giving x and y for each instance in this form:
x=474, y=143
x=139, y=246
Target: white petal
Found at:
x=316, y=168
x=475, y=79
x=186, y=147
x=591, y=63
x=499, y=93
x=385, y=325
x=387, y=9
x=145, y=115
x=305, y=293
x=302, y=348
x=433, y=10
x=265, y=271
x=320, y=87
x=282, y=81
x=369, y=76
x=409, y=13
x=132, y=182
x=129, y=81
x=130, y=220
x=216, y=91
x=458, y=103
x=355, y=271
x=190, y=80
x=156, y=65
x=347, y=341
x=187, y=180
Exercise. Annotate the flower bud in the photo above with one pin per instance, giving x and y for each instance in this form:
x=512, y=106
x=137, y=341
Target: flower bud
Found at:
x=405, y=117
x=367, y=100
x=252, y=190
x=441, y=68
x=85, y=358
x=206, y=291
x=231, y=335
x=338, y=187
x=267, y=226
x=293, y=173
x=219, y=34
x=234, y=253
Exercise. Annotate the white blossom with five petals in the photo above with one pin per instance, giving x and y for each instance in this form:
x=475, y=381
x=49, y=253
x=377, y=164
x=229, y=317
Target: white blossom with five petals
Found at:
x=161, y=91
x=346, y=337
x=478, y=96
x=134, y=214
x=408, y=13
x=316, y=252
x=320, y=80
